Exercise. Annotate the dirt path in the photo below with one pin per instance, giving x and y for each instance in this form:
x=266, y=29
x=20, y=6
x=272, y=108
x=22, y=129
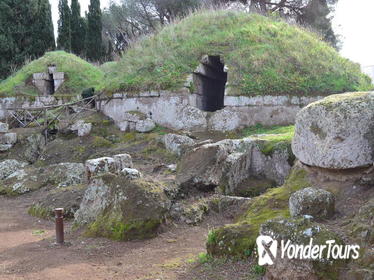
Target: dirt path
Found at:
x=27, y=250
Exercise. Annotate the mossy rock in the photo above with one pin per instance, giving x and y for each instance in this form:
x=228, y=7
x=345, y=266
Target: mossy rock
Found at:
x=362, y=227
x=270, y=205
x=233, y=240
x=300, y=231
x=121, y=209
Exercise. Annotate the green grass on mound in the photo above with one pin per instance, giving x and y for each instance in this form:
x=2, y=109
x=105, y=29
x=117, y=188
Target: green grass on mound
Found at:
x=263, y=56
x=79, y=75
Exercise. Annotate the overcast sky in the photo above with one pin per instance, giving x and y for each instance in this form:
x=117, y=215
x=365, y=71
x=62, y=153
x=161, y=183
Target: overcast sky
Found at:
x=353, y=20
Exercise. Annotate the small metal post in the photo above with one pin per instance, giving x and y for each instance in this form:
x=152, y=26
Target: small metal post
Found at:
x=59, y=225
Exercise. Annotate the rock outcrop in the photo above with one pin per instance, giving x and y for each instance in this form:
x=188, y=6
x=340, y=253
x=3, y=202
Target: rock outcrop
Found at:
x=362, y=226
x=119, y=208
x=9, y=166
x=312, y=201
x=146, y=125
x=7, y=139
x=33, y=178
x=176, y=143
x=300, y=232
x=4, y=127
x=81, y=128
x=191, y=213
x=131, y=173
x=34, y=146
x=104, y=165
x=244, y=167
x=336, y=132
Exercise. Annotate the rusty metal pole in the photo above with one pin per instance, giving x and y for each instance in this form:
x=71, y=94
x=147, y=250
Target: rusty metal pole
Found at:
x=59, y=215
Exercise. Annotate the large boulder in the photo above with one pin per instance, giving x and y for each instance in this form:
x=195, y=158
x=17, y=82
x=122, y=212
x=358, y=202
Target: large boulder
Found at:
x=146, y=125
x=8, y=138
x=336, y=132
x=176, y=143
x=104, y=165
x=192, y=211
x=201, y=168
x=33, y=178
x=4, y=127
x=34, y=147
x=5, y=147
x=301, y=231
x=131, y=173
x=312, y=201
x=10, y=166
x=119, y=208
x=123, y=161
x=81, y=127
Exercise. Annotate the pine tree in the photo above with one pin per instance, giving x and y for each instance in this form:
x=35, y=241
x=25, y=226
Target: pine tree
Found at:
x=43, y=38
x=7, y=44
x=64, y=28
x=78, y=29
x=94, y=43
x=16, y=24
x=26, y=32
x=316, y=15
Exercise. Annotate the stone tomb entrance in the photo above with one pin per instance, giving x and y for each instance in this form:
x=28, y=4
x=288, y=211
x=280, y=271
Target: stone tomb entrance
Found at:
x=209, y=80
x=48, y=83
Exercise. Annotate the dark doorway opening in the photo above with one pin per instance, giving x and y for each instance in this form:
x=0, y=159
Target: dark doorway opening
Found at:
x=210, y=80
x=51, y=84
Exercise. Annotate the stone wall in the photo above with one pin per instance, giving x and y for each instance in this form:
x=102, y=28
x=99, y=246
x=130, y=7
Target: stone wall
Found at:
x=178, y=110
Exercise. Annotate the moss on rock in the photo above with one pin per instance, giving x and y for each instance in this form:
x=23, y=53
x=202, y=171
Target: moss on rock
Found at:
x=113, y=226
x=118, y=208
x=301, y=231
x=270, y=205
